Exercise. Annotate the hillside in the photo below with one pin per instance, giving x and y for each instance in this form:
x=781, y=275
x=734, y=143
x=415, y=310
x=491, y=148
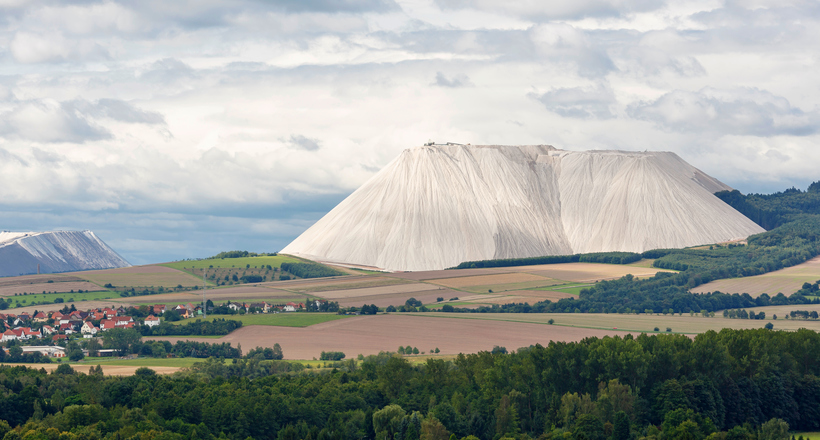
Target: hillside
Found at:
x=57, y=251
x=439, y=205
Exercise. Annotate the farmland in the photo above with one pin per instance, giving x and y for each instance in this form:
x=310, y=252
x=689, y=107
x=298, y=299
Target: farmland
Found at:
x=371, y=334
x=222, y=263
x=787, y=281
x=140, y=277
x=278, y=319
x=47, y=300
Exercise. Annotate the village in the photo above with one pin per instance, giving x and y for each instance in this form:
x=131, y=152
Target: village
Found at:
x=67, y=324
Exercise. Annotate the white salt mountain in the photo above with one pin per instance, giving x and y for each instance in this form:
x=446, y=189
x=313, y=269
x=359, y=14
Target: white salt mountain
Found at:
x=58, y=251
x=436, y=206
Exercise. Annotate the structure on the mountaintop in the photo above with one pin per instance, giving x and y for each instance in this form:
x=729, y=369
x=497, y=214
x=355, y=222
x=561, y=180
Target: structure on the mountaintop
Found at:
x=24, y=253
x=436, y=206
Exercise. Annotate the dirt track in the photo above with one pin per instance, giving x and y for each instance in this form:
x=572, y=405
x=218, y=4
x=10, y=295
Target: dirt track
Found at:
x=371, y=334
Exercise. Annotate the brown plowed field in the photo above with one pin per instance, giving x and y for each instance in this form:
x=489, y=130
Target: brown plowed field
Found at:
x=10, y=290
x=370, y=334
x=787, y=281
x=108, y=370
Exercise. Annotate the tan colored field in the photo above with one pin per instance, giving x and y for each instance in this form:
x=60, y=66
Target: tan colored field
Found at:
x=377, y=291
x=540, y=295
x=108, y=370
x=37, y=279
x=140, y=276
x=438, y=274
x=313, y=285
x=218, y=295
x=588, y=272
x=486, y=280
x=643, y=323
x=370, y=334
x=397, y=299
x=787, y=281
x=60, y=287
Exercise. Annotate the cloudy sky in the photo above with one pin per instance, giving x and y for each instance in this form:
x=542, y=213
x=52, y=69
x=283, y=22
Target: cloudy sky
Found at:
x=180, y=129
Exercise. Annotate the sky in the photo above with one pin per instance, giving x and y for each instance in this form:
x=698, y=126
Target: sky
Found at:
x=180, y=129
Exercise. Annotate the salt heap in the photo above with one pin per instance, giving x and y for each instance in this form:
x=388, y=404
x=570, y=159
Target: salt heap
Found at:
x=22, y=253
x=436, y=206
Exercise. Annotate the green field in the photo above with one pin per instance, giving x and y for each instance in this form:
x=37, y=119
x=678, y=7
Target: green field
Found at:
x=573, y=288
x=807, y=435
x=293, y=319
x=232, y=262
x=48, y=299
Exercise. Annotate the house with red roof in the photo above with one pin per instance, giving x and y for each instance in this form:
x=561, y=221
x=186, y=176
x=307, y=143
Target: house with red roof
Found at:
x=89, y=330
x=40, y=317
x=151, y=321
x=8, y=335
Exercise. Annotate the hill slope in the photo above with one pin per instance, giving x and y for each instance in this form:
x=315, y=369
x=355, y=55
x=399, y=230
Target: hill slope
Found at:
x=436, y=206
x=58, y=251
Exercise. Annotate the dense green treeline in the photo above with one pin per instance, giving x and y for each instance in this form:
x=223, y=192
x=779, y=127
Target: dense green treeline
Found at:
x=788, y=245
x=720, y=386
x=773, y=210
x=595, y=257
x=310, y=270
x=196, y=328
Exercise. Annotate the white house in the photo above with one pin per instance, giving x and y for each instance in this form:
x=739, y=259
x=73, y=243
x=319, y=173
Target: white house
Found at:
x=151, y=321
x=88, y=329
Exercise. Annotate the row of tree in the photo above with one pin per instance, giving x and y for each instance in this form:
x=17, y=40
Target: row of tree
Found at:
x=731, y=385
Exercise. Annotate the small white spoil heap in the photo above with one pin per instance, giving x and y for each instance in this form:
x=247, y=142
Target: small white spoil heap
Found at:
x=59, y=251
x=436, y=206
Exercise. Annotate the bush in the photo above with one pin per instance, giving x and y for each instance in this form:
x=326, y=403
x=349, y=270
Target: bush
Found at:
x=331, y=356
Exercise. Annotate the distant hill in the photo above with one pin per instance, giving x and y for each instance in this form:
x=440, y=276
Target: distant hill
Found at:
x=56, y=251
x=436, y=206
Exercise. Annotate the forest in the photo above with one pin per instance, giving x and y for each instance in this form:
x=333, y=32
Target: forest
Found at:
x=731, y=385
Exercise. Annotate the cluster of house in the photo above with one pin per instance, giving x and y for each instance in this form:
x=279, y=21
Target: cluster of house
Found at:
x=64, y=324
x=268, y=308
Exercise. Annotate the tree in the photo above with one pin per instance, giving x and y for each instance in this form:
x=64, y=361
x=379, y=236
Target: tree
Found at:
x=74, y=352
x=774, y=429
x=121, y=339
x=620, y=429
x=386, y=421
x=432, y=429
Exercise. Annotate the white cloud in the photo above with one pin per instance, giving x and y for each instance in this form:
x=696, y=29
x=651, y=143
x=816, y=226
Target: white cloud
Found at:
x=162, y=123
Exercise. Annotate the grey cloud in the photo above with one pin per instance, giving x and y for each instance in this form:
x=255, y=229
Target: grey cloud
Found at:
x=304, y=143
x=746, y=111
x=578, y=102
x=336, y=5
x=49, y=121
x=117, y=110
x=459, y=80
x=73, y=121
x=556, y=9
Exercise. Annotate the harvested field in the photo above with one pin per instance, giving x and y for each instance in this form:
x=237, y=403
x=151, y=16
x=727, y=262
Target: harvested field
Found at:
x=140, y=276
x=511, y=286
x=787, y=281
x=641, y=323
x=370, y=334
x=588, y=272
x=378, y=291
x=541, y=295
x=80, y=305
x=437, y=274
x=359, y=282
x=108, y=370
x=488, y=280
x=217, y=295
x=397, y=299
x=37, y=279
x=67, y=286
